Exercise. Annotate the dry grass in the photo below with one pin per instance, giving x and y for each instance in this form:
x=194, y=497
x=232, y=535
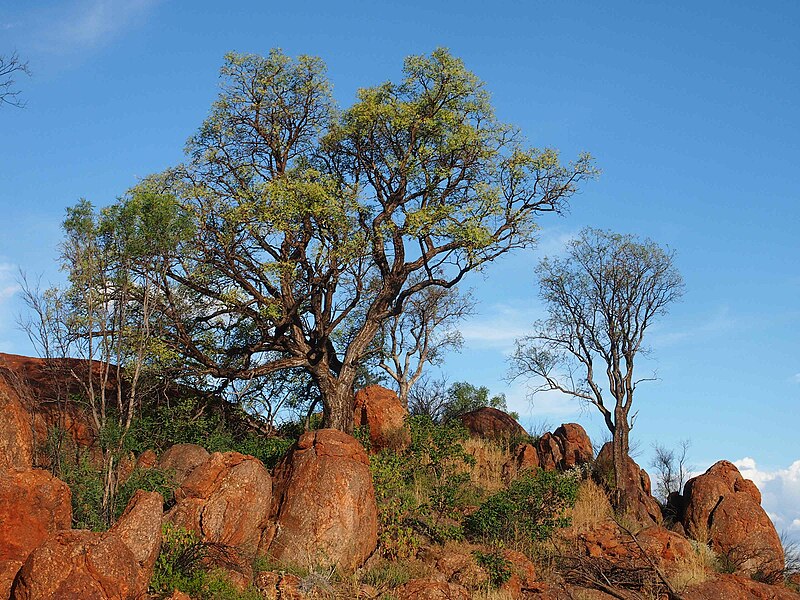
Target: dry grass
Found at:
x=491, y=594
x=592, y=506
x=490, y=456
x=693, y=569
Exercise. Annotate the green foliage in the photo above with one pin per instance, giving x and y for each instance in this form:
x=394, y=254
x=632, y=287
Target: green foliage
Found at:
x=497, y=566
x=85, y=482
x=529, y=510
x=188, y=421
x=149, y=480
x=464, y=397
x=180, y=566
x=423, y=489
x=391, y=574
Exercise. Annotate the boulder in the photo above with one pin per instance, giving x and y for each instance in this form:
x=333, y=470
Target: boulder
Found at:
x=33, y=505
x=733, y=587
x=567, y=446
x=225, y=500
x=642, y=507
x=523, y=575
x=117, y=564
x=491, y=423
x=182, y=459
x=147, y=460
x=430, y=589
x=724, y=508
x=324, y=507
x=16, y=433
x=382, y=411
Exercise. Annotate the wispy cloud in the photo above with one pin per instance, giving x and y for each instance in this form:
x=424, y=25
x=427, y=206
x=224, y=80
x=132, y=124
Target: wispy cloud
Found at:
x=499, y=326
x=796, y=378
x=8, y=288
x=780, y=490
x=718, y=322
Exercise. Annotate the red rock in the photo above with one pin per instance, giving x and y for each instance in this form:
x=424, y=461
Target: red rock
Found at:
x=523, y=575
x=550, y=453
x=16, y=433
x=567, y=446
x=178, y=595
x=225, y=500
x=117, y=564
x=643, y=508
x=383, y=412
x=279, y=586
x=33, y=505
x=576, y=447
x=733, y=587
x=429, y=589
x=146, y=460
x=182, y=459
x=723, y=508
x=324, y=504
x=491, y=423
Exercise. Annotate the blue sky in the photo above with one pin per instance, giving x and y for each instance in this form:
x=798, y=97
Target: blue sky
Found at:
x=690, y=109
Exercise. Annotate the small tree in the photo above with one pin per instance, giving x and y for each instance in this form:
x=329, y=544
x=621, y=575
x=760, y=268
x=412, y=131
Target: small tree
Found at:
x=672, y=469
x=421, y=334
x=601, y=299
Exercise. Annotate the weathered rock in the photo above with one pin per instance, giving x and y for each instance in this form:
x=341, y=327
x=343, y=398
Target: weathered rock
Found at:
x=429, y=589
x=724, y=508
x=225, y=500
x=147, y=460
x=324, y=504
x=491, y=423
x=33, y=505
x=642, y=507
x=383, y=412
x=16, y=433
x=182, y=459
x=576, y=447
x=666, y=547
x=733, y=587
x=461, y=568
x=178, y=595
x=279, y=586
x=117, y=564
x=523, y=575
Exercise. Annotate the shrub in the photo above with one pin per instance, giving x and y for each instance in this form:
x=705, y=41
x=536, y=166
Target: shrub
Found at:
x=85, y=482
x=149, y=480
x=497, y=566
x=530, y=509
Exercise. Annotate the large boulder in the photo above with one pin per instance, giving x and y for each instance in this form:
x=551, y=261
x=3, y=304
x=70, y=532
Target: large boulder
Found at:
x=324, y=507
x=641, y=506
x=724, y=508
x=491, y=423
x=182, y=459
x=567, y=446
x=382, y=411
x=33, y=505
x=225, y=500
x=117, y=564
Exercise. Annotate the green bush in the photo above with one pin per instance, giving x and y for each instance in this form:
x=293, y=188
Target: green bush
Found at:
x=530, y=509
x=86, y=484
x=497, y=566
x=149, y=480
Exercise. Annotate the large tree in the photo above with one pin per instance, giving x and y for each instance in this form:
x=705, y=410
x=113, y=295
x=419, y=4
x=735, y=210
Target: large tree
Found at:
x=315, y=226
x=11, y=65
x=601, y=299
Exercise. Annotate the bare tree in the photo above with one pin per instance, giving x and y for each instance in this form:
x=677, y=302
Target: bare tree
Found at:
x=422, y=333
x=672, y=469
x=10, y=66
x=601, y=299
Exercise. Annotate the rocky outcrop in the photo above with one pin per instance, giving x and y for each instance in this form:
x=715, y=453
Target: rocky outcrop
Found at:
x=182, y=459
x=225, y=500
x=567, y=446
x=733, y=587
x=724, y=508
x=16, y=433
x=430, y=589
x=491, y=423
x=382, y=411
x=117, y=564
x=641, y=506
x=33, y=505
x=323, y=504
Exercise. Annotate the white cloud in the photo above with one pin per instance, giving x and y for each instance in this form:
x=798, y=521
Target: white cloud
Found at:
x=498, y=328
x=8, y=288
x=796, y=378
x=720, y=321
x=780, y=491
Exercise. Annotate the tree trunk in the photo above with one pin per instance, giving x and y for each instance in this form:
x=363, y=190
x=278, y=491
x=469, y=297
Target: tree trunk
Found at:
x=337, y=403
x=620, y=451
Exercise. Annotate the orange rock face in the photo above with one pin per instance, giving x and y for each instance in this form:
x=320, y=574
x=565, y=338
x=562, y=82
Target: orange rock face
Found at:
x=225, y=500
x=33, y=505
x=725, y=508
x=384, y=413
x=324, y=504
x=643, y=507
x=182, y=459
x=429, y=589
x=16, y=433
x=491, y=423
x=117, y=564
x=567, y=446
